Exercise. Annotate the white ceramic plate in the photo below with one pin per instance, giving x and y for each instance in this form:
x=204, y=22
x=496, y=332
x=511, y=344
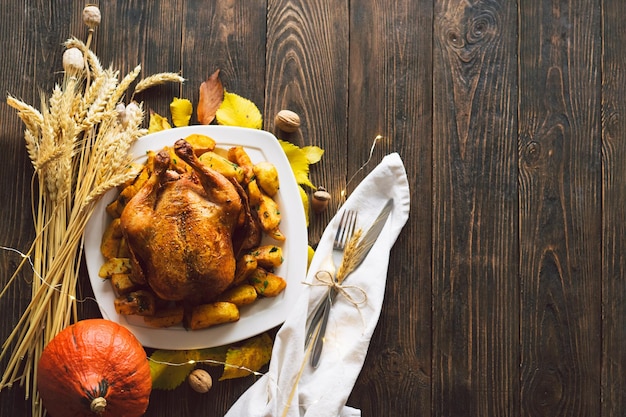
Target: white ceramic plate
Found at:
x=256, y=318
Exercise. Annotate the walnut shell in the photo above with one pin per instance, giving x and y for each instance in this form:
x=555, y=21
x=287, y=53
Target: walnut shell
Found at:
x=287, y=121
x=200, y=380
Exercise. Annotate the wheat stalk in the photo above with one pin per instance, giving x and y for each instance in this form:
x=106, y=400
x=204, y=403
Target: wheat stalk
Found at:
x=157, y=79
x=351, y=256
x=124, y=85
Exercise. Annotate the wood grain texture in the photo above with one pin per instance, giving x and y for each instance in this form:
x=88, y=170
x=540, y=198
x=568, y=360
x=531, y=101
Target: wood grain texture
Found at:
x=307, y=72
x=146, y=34
x=390, y=94
x=560, y=208
x=229, y=36
x=613, y=202
x=475, y=250
x=32, y=38
x=505, y=293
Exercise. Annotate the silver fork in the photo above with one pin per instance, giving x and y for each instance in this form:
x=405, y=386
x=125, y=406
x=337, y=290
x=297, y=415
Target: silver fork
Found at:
x=347, y=226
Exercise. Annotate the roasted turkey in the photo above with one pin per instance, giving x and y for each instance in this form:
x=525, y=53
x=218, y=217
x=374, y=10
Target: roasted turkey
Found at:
x=180, y=228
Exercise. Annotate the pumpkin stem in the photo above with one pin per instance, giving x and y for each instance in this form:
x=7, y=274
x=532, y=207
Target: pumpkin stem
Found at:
x=98, y=404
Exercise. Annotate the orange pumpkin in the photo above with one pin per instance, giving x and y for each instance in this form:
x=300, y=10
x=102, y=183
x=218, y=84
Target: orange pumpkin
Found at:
x=94, y=367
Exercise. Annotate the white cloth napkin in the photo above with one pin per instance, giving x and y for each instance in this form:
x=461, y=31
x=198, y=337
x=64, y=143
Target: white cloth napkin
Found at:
x=291, y=387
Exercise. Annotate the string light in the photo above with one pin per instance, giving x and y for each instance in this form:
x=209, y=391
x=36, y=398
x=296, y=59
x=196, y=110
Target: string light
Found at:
x=71, y=297
x=377, y=139
x=207, y=362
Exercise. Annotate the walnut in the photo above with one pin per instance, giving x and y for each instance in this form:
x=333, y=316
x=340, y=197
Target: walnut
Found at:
x=287, y=121
x=200, y=381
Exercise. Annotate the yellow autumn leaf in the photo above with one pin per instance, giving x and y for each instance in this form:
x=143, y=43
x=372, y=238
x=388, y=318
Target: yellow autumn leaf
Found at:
x=238, y=111
x=250, y=357
x=169, y=368
x=313, y=154
x=299, y=162
x=181, y=109
x=157, y=123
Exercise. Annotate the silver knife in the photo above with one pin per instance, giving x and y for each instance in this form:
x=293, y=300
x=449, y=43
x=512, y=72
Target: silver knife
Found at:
x=365, y=245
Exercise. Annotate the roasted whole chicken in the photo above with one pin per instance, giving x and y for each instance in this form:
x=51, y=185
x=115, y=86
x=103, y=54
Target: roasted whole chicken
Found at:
x=180, y=229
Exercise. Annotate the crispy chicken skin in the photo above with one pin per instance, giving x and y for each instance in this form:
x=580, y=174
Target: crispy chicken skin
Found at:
x=179, y=230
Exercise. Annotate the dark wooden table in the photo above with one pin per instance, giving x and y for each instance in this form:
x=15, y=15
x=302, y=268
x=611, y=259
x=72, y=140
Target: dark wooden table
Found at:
x=506, y=288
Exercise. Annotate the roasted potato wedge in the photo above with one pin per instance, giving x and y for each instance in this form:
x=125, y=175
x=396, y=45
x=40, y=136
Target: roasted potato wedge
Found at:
x=139, y=303
x=200, y=143
x=268, y=212
x=266, y=176
x=114, y=266
x=240, y=295
x=266, y=283
x=207, y=315
x=111, y=240
x=276, y=234
x=238, y=155
x=123, y=284
x=115, y=208
x=254, y=193
x=268, y=256
x=245, y=266
x=222, y=165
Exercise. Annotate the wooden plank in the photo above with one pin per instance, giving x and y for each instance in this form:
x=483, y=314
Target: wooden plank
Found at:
x=30, y=64
x=391, y=95
x=307, y=72
x=229, y=36
x=475, y=250
x=613, y=202
x=560, y=208
x=146, y=34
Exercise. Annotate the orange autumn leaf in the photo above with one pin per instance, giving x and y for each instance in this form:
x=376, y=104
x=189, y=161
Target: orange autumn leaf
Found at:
x=211, y=97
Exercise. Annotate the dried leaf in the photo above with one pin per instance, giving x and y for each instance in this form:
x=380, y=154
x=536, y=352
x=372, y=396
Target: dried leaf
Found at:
x=181, y=110
x=211, y=97
x=170, y=368
x=157, y=123
x=251, y=356
x=238, y=111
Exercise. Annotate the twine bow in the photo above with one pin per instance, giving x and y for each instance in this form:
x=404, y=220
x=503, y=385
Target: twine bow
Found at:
x=353, y=294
